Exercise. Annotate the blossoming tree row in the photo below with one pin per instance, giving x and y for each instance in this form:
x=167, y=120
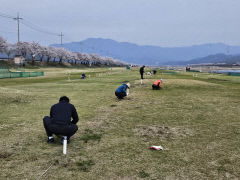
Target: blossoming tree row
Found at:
x=36, y=52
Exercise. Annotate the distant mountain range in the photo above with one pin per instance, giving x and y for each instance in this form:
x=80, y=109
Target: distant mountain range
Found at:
x=216, y=59
x=212, y=59
x=151, y=55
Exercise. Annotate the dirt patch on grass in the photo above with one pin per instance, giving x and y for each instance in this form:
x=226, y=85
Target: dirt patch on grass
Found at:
x=103, y=119
x=90, y=135
x=14, y=96
x=215, y=79
x=4, y=155
x=188, y=82
x=162, y=132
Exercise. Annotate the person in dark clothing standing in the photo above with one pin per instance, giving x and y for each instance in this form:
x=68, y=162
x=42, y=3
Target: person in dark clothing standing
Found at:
x=142, y=71
x=121, y=91
x=59, y=122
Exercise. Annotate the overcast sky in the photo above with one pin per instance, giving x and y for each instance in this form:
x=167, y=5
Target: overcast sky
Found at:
x=166, y=23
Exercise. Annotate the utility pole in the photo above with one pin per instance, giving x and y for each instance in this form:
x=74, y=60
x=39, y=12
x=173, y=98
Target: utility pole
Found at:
x=61, y=35
x=18, y=18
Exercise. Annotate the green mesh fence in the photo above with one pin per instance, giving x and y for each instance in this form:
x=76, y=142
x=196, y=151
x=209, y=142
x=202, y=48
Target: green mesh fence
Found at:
x=233, y=74
x=5, y=73
x=4, y=70
x=193, y=71
x=169, y=72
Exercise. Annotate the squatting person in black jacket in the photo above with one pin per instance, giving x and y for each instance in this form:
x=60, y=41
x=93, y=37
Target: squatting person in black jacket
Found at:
x=59, y=122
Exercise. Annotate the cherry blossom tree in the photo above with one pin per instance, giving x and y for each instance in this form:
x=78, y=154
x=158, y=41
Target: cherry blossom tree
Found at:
x=69, y=56
x=22, y=48
x=74, y=57
x=43, y=52
x=3, y=45
x=34, y=49
x=62, y=53
x=84, y=58
x=95, y=58
x=51, y=53
x=10, y=49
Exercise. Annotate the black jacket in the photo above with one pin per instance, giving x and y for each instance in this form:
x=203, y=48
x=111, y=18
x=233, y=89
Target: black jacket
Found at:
x=141, y=70
x=62, y=112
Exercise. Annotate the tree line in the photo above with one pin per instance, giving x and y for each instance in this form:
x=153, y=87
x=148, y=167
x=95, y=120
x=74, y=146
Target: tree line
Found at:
x=36, y=52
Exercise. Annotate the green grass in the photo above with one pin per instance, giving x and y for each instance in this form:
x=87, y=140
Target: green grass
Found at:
x=195, y=117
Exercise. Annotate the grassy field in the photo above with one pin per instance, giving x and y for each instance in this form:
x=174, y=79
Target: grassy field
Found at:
x=195, y=117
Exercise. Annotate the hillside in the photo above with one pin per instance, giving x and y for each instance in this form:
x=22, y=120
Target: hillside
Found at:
x=213, y=59
x=149, y=55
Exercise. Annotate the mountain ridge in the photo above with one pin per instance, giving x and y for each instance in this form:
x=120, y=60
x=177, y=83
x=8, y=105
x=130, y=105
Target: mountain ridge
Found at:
x=147, y=54
x=216, y=59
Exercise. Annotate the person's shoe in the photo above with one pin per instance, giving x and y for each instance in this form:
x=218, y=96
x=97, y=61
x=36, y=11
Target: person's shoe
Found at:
x=50, y=141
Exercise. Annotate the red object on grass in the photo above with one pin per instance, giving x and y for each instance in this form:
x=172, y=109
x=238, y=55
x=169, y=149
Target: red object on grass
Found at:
x=156, y=147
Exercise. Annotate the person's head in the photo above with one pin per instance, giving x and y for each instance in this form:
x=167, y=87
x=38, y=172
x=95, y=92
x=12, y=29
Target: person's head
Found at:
x=143, y=66
x=128, y=85
x=64, y=98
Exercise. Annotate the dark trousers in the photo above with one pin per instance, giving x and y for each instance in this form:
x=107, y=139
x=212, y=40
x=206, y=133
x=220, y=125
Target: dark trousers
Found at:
x=141, y=75
x=64, y=130
x=155, y=87
x=120, y=95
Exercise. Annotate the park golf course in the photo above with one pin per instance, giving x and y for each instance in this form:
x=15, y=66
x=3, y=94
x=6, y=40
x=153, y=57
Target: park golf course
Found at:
x=195, y=117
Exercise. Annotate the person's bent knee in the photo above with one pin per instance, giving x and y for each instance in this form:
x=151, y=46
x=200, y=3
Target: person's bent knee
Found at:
x=47, y=120
x=73, y=129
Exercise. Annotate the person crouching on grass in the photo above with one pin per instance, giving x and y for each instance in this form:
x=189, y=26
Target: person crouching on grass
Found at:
x=122, y=91
x=59, y=122
x=157, y=85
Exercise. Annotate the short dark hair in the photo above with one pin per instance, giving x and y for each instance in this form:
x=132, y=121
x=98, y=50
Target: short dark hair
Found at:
x=64, y=98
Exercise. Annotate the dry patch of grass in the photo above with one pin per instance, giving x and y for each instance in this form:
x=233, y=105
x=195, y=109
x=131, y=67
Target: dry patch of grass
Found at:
x=188, y=82
x=10, y=95
x=162, y=132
